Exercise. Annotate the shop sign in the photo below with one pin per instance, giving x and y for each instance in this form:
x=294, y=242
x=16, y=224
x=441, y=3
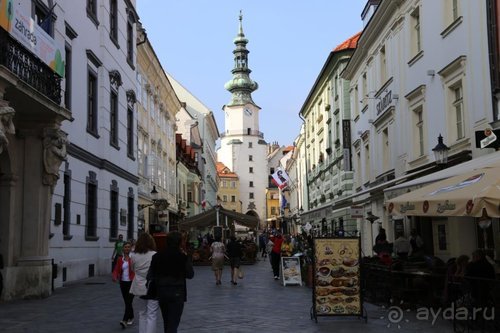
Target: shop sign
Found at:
x=25, y=30
x=384, y=102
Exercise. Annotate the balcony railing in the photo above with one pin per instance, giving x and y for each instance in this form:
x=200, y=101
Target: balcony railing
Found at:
x=29, y=68
x=229, y=133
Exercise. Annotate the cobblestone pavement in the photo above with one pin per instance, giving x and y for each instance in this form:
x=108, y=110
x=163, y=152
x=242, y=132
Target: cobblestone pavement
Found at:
x=257, y=304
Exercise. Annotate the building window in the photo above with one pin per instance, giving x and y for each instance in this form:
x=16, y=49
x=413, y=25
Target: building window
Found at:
x=250, y=184
x=273, y=210
x=91, y=209
x=44, y=16
x=92, y=11
x=415, y=32
x=250, y=145
x=233, y=198
x=131, y=213
x=130, y=42
x=250, y=169
x=386, y=149
x=367, y=164
x=250, y=195
x=113, y=211
x=355, y=103
x=92, y=103
x=67, y=204
x=359, y=170
x=233, y=184
x=383, y=66
x=250, y=157
x=364, y=82
x=130, y=133
x=458, y=110
x=224, y=198
x=113, y=126
x=67, y=79
x=113, y=21
x=419, y=119
x=271, y=171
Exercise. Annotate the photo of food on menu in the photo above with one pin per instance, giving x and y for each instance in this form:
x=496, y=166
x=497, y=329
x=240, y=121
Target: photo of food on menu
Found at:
x=337, y=277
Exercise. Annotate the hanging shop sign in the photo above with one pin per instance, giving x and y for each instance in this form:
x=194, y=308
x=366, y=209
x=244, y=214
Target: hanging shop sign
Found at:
x=337, y=287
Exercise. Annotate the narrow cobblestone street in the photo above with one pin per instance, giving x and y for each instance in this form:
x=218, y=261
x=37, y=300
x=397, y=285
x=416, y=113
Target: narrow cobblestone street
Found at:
x=257, y=304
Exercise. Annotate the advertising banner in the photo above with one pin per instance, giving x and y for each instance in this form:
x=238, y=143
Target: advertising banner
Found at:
x=337, y=285
x=24, y=29
x=290, y=267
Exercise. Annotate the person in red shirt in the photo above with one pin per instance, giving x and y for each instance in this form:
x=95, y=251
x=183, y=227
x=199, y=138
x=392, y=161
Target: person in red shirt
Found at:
x=276, y=256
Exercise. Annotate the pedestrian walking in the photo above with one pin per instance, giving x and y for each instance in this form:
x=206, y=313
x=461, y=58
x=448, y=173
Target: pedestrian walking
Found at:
x=262, y=245
x=169, y=270
x=141, y=260
x=218, y=251
x=269, y=248
x=276, y=256
x=124, y=274
x=117, y=252
x=234, y=252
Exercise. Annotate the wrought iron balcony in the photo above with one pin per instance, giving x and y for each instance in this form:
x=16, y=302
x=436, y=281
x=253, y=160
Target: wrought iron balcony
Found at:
x=242, y=132
x=29, y=68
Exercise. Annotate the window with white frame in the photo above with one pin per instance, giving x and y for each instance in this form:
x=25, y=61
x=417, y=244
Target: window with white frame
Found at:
x=383, y=66
x=359, y=169
x=418, y=116
x=416, y=42
x=355, y=102
x=386, y=149
x=455, y=91
x=457, y=107
x=367, y=163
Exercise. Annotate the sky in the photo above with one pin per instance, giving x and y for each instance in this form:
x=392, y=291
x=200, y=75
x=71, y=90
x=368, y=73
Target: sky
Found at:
x=289, y=42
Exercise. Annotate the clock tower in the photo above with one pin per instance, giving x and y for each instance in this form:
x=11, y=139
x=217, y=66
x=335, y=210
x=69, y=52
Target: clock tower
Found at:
x=243, y=149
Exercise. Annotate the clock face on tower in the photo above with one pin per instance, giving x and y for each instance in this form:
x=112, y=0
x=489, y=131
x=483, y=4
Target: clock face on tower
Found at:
x=248, y=112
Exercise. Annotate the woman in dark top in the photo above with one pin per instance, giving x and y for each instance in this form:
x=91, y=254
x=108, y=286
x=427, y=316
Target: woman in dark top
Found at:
x=169, y=270
x=234, y=252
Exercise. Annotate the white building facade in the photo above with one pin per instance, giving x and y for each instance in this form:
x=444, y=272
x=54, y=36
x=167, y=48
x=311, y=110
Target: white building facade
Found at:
x=97, y=197
x=405, y=94
x=204, y=120
x=242, y=148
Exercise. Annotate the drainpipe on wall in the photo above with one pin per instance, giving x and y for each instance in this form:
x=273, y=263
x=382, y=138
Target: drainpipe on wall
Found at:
x=305, y=157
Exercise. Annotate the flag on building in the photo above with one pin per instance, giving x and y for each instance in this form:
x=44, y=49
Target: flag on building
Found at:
x=283, y=202
x=280, y=178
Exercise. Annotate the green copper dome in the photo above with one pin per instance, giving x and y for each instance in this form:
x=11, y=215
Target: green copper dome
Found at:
x=241, y=86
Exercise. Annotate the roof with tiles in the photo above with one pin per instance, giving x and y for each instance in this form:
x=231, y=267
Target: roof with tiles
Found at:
x=350, y=43
x=224, y=172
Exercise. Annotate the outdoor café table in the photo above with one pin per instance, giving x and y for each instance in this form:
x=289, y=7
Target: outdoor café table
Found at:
x=417, y=287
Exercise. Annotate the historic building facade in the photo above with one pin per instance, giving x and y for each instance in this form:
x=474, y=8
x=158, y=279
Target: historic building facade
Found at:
x=327, y=145
x=97, y=197
x=404, y=95
x=34, y=121
x=229, y=188
x=242, y=148
x=203, y=119
x=157, y=106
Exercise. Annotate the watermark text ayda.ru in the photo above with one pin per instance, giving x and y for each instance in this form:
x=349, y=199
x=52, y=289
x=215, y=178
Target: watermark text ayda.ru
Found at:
x=396, y=314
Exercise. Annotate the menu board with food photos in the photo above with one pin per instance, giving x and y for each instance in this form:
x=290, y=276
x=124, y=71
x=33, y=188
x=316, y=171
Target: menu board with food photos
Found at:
x=290, y=268
x=336, y=287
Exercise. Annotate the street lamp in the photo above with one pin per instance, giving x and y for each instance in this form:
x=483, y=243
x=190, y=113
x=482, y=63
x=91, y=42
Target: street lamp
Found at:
x=372, y=218
x=160, y=204
x=441, y=151
x=484, y=223
x=217, y=208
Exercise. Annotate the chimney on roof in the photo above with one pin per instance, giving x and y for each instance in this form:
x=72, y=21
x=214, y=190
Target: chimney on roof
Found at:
x=370, y=8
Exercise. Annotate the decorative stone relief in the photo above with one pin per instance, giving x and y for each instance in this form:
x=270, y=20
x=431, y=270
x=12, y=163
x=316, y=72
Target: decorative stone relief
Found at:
x=54, y=153
x=6, y=124
x=115, y=79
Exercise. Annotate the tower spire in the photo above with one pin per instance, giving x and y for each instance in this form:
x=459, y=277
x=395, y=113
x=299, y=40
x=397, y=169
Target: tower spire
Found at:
x=241, y=86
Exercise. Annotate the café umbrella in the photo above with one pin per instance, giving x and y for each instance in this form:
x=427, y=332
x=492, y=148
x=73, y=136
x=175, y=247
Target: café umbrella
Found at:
x=474, y=193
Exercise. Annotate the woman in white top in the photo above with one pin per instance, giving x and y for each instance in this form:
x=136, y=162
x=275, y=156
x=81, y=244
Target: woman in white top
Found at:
x=141, y=259
x=218, y=252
